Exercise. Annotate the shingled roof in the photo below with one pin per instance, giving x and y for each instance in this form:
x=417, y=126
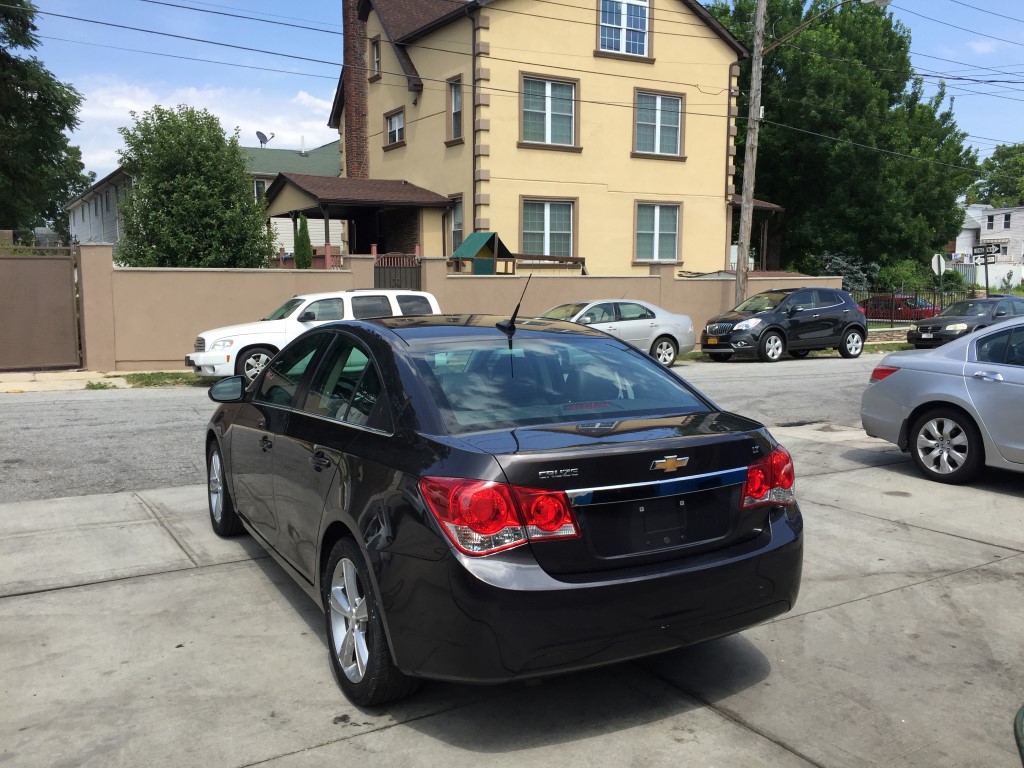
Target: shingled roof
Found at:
x=357, y=192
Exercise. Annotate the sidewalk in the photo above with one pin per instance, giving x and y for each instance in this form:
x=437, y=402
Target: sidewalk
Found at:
x=15, y=383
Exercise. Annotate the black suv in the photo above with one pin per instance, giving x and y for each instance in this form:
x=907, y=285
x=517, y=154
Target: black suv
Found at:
x=794, y=320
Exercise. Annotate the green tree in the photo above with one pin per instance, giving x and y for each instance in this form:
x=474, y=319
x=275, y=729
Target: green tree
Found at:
x=1002, y=184
x=841, y=111
x=303, y=247
x=191, y=203
x=39, y=169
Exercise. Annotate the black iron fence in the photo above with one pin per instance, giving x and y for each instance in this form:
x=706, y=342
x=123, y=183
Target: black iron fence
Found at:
x=902, y=308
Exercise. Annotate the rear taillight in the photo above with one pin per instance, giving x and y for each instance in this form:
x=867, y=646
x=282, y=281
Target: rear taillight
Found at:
x=483, y=517
x=882, y=372
x=770, y=480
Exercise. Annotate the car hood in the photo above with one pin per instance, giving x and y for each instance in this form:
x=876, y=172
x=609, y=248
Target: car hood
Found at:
x=732, y=316
x=262, y=327
x=950, y=319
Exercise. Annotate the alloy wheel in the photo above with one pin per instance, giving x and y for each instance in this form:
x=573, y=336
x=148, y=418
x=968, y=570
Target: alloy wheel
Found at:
x=942, y=446
x=216, y=487
x=349, y=619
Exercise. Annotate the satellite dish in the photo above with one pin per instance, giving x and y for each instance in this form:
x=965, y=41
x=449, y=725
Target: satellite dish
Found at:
x=263, y=138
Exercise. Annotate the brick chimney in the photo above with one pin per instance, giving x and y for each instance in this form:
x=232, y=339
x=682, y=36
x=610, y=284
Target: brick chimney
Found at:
x=357, y=155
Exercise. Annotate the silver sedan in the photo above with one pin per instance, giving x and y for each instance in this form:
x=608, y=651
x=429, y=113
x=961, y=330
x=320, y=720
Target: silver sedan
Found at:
x=956, y=408
x=664, y=334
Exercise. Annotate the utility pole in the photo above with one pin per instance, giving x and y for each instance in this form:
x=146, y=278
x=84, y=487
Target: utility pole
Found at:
x=750, y=153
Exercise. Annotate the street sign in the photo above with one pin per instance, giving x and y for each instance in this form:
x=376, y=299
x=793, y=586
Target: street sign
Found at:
x=982, y=250
x=938, y=264
x=985, y=260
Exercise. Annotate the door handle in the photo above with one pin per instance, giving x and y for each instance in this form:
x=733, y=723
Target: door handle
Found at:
x=319, y=461
x=815, y=316
x=988, y=376
x=266, y=443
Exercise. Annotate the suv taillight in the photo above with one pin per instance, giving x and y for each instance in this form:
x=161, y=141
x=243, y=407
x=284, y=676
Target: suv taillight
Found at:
x=770, y=480
x=481, y=517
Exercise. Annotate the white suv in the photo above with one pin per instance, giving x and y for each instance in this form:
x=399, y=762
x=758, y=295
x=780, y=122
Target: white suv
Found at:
x=245, y=349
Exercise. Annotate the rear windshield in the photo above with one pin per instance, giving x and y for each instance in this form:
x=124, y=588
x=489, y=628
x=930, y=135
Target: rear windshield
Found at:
x=481, y=384
x=285, y=309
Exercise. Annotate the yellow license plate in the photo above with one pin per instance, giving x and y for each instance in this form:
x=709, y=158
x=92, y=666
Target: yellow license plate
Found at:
x=712, y=340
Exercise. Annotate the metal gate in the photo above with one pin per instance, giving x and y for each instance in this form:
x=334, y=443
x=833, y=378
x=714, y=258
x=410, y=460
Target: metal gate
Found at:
x=397, y=270
x=38, y=309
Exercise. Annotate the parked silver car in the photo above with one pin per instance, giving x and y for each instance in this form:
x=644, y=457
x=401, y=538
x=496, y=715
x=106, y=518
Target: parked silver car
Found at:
x=664, y=334
x=956, y=408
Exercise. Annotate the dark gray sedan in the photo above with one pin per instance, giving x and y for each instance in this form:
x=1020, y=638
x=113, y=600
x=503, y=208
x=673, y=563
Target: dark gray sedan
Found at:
x=961, y=318
x=957, y=408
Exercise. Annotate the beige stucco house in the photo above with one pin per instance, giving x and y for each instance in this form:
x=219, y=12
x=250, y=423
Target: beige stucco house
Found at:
x=600, y=130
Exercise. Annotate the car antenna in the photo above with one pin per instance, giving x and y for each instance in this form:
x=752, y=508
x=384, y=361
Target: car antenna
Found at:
x=508, y=327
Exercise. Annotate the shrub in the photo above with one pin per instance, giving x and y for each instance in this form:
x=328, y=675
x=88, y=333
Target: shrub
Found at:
x=303, y=248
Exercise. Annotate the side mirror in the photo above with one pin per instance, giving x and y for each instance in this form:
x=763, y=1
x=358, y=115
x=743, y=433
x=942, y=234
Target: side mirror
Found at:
x=793, y=310
x=1000, y=313
x=307, y=317
x=586, y=320
x=229, y=390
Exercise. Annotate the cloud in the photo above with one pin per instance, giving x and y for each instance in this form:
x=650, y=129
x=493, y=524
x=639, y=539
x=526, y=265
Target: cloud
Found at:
x=984, y=47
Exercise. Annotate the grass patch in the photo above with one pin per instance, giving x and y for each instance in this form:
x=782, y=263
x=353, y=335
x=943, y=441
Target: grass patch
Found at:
x=165, y=379
x=99, y=385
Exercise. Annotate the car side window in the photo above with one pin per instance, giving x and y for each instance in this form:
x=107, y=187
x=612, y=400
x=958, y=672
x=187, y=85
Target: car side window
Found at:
x=1015, y=350
x=631, y=311
x=364, y=307
x=1003, y=308
x=414, y=305
x=285, y=372
x=828, y=299
x=326, y=309
x=347, y=387
x=600, y=313
x=992, y=348
x=801, y=299
x=1018, y=306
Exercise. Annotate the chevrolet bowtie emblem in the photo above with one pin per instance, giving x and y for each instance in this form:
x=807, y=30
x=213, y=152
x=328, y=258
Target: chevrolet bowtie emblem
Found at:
x=670, y=463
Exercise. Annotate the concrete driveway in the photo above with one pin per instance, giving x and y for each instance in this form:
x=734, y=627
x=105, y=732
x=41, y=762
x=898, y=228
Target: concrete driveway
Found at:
x=131, y=635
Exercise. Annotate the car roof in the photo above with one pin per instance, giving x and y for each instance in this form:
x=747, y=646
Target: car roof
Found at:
x=353, y=291
x=411, y=328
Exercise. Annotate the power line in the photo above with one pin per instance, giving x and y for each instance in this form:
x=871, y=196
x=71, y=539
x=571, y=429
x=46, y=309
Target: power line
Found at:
x=242, y=16
x=985, y=10
x=954, y=26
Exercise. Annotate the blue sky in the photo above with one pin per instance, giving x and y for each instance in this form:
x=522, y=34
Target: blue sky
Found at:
x=117, y=71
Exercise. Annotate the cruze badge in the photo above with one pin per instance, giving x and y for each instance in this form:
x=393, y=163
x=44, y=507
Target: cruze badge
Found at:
x=670, y=463
x=550, y=473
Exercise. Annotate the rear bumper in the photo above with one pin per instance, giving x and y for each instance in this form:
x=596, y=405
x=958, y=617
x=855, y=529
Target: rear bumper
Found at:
x=210, y=363
x=491, y=620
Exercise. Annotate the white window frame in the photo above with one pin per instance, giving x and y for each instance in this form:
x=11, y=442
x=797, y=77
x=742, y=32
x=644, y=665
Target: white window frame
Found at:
x=375, y=57
x=457, y=222
x=990, y=222
x=622, y=26
x=548, y=113
x=1006, y=221
x=455, y=108
x=659, y=111
x=657, y=233
x=546, y=250
x=395, y=125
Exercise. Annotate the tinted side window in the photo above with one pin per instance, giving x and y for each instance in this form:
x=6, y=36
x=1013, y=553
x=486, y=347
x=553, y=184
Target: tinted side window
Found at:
x=326, y=309
x=600, y=313
x=1018, y=306
x=282, y=379
x=829, y=298
x=804, y=299
x=347, y=387
x=1003, y=308
x=1015, y=350
x=414, y=305
x=370, y=306
x=992, y=349
x=630, y=311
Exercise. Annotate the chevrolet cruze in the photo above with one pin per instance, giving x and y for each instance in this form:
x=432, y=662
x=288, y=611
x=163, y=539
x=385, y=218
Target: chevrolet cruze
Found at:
x=471, y=500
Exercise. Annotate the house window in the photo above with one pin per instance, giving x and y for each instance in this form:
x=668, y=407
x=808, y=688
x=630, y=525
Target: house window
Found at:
x=260, y=189
x=659, y=124
x=456, y=222
x=547, y=228
x=1006, y=221
x=657, y=232
x=375, y=71
x=455, y=109
x=394, y=129
x=624, y=26
x=549, y=112
x=990, y=223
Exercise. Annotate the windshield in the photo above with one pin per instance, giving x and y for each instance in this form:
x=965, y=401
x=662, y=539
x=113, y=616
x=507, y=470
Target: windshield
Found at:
x=967, y=309
x=285, y=309
x=481, y=384
x=564, y=311
x=762, y=302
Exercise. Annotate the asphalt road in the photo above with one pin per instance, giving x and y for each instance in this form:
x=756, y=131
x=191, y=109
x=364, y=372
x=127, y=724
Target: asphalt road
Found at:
x=60, y=444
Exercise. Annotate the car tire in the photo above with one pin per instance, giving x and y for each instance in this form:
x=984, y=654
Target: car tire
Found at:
x=720, y=357
x=771, y=347
x=223, y=518
x=665, y=351
x=946, y=446
x=799, y=354
x=252, y=361
x=358, y=649
x=853, y=343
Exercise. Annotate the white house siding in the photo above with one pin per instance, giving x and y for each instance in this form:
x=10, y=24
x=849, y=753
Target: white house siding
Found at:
x=286, y=238
x=1010, y=240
